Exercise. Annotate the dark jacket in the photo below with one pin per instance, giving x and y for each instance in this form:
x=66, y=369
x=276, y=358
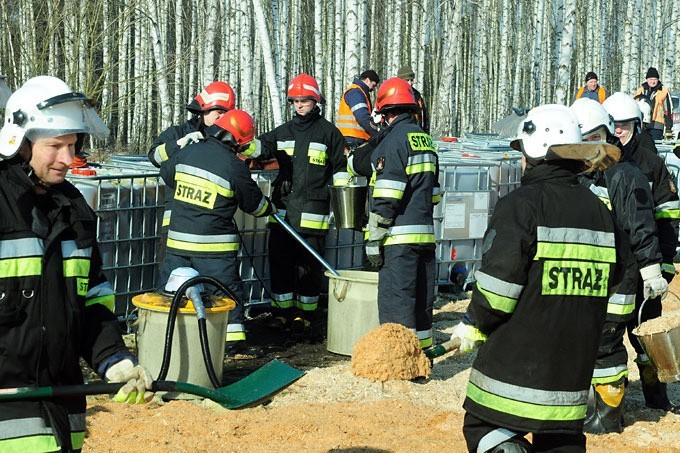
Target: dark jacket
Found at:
x=55, y=308
x=422, y=116
x=624, y=189
x=552, y=257
x=163, y=148
x=406, y=171
x=666, y=205
x=209, y=183
x=662, y=107
x=310, y=152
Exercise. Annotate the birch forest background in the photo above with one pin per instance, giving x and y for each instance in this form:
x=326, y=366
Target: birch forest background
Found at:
x=143, y=60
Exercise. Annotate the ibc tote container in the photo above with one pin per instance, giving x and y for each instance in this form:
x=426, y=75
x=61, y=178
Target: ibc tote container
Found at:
x=129, y=205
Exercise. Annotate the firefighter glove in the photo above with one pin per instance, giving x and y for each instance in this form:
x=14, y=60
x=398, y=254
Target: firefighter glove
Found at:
x=138, y=382
x=470, y=337
x=286, y=187
x=654, y=285
x=374, y=253
x=191, y=137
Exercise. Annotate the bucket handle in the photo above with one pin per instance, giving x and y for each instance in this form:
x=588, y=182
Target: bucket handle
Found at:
x=343, y=291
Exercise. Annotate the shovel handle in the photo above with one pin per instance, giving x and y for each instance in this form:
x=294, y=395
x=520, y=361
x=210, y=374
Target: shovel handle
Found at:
x=443, y=348
x=302, y=242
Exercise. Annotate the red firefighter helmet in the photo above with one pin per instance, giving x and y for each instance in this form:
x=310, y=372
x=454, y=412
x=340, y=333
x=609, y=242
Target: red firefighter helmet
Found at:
x=395, y=92
x=304, y=86
x=217, y=95
x=240, y=128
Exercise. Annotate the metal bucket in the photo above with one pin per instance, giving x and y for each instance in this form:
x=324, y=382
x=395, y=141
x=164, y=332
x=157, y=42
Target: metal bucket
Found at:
x=349, y=206
x=663, y=349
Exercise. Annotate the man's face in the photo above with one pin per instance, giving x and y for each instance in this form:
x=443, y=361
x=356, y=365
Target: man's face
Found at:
x=210, y=117
x=624, y=131
x=303, y=106
x=370, y=84
x=592, y=84
x=51, y=158
x=652, y=82
x=597, y=136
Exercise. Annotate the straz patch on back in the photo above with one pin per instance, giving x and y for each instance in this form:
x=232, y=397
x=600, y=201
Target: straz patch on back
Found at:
x=194, y=194
x=420, y=141
x=575, y=278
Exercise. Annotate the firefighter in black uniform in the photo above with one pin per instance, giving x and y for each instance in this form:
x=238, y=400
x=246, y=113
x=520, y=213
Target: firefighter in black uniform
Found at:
x=401, y=238
x=210, y=182
x=208, y=106
x=55, y=303
x=625, y=191
x=310, y=153
x=627, y=118
x=552, y=257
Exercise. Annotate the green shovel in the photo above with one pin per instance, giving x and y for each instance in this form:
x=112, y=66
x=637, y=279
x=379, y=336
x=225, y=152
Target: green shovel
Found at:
x=255, y=388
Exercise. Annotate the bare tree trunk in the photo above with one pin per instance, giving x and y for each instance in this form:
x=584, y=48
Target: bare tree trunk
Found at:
x=158, y=42
x=566, y=48
x=268, y=61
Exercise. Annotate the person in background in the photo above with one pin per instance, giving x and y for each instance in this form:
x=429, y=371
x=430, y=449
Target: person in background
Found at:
x=310, y=152
x=55, y=304
x=627, y=116
x=552, y=256
x=591, y=89
x=401, y=241
x=421, y=116
x=208, y=106
x=662, y=109
x=210, y=183
x=624, y=189
x=354, y=114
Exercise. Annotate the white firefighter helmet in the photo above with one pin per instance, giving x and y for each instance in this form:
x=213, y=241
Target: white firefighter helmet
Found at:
x=545, y=126
x=645, y=111
x=180, y=275
x=46, y=107
x=551, y=132
x=622, y=108
x=592, y=117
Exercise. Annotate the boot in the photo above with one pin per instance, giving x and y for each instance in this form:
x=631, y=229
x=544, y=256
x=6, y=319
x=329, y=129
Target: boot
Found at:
x=514, y=445
x=605, y=409
x=653, y=389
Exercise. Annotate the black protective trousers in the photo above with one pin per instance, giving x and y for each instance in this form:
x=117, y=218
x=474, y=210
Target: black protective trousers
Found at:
x=475, y=430
x=406, y=287
x=291, y=267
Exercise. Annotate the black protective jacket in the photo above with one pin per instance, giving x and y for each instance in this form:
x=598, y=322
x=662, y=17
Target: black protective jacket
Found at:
x=310, y=152
x=163, y=148
x=666, y=205
x=625, y=191
x=552, y=257
x=209, y=183
x=55, y=307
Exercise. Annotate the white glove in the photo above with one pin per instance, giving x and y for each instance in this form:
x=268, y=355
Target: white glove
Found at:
x=470, y=337
x=138, y=382
x=191, y=137
x=654, y=285
x=376, y=117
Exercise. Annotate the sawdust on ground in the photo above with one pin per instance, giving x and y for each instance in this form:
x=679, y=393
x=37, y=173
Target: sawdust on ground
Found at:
x=389, y=352
x=331, y=410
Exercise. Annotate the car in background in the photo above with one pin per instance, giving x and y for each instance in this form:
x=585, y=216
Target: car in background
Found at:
x=675, y=101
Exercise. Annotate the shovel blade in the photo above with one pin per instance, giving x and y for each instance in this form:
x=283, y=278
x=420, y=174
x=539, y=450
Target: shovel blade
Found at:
x=259, y=385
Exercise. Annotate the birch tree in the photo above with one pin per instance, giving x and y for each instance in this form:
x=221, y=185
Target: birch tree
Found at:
x=268, y=61
x=565, y=51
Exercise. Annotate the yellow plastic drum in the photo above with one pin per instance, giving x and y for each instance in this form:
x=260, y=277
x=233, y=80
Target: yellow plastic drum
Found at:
x=186, y=359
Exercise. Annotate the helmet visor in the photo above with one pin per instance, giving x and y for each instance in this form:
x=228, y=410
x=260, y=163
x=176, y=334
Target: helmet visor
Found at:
x=73, y=113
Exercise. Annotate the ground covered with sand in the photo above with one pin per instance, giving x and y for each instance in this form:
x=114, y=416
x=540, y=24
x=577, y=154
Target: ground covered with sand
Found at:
x=331, y=410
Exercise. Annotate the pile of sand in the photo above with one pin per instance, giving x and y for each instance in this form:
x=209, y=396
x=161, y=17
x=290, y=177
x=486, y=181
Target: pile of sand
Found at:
x=389, y=352
x=663, y=323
